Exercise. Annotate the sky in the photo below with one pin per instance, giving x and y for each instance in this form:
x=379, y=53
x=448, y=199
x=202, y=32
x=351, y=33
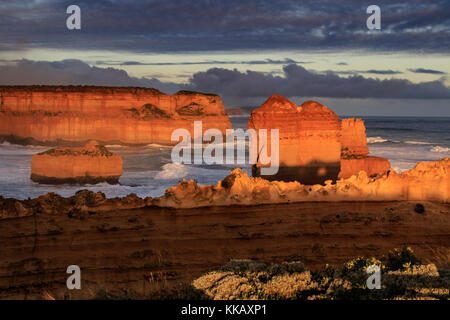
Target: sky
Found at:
x=242, y=50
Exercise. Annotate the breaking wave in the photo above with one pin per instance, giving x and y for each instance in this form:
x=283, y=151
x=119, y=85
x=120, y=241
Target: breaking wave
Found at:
x=376, y=140
x=172, y=171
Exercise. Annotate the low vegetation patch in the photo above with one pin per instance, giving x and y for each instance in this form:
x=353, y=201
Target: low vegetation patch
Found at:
x=402, y=277
x=148, y=111
x=98, y=151
x=192, y=109
x=347, y=155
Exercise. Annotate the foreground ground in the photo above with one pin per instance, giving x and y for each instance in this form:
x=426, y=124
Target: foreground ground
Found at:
x=150, y=252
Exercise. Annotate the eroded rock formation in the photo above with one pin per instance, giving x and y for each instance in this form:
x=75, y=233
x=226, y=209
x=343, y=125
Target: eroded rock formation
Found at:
x=314, y=145
x=50, y=114
x=91, y=164
x=84, y=202
x=428, y=181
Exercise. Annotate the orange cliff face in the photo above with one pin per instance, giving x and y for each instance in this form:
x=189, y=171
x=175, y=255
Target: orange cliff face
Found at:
x=309, y=146
x=353, y=137
x=314, y=144
x=355, y=153
x=91, y=164
x=51, y=114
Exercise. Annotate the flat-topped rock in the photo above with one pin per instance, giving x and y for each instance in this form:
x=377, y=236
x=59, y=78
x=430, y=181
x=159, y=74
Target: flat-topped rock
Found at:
x=90, y=164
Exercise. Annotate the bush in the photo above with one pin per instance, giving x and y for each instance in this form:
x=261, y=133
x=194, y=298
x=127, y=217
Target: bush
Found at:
x=402, y=259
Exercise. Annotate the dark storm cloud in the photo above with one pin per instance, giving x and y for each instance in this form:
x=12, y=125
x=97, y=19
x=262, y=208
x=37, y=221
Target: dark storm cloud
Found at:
x=232, y=85
x=186, y=25
x=209, y=62
x=427, y=71
x=385, y=72
x=73, y=72
x=297, y=81
x=380, y=72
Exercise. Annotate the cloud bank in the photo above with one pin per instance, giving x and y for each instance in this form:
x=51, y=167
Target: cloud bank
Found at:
x=298, y=81
x=73, y=72
x=232, y=85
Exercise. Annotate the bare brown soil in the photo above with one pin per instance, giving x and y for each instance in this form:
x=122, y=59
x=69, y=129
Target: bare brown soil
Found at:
x=136, y=253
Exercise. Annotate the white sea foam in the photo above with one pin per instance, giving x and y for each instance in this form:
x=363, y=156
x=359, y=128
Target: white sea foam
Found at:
x=440, y=149
x=115, y=146
x=172, y=171
x=417, y=142
x=157, y=145
x=376, y=140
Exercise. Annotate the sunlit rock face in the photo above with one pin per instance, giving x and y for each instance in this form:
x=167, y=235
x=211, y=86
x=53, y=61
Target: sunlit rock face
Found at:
x=371, y=165
x=355, y=153
x=428, y=181
x=309, y=146
x=109, y=114
x=315, y=145
x=91, y=164
x=353, y=137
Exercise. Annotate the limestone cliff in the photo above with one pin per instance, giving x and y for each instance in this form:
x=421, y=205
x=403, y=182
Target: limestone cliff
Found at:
x=91, y=164
x=51, y=114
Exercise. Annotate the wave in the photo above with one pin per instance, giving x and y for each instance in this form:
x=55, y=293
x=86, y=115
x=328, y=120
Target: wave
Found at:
x=161, y=146
x=376, y=140
x=172, y=171
x=115, y=146
x=417, y=142
x=440, y=149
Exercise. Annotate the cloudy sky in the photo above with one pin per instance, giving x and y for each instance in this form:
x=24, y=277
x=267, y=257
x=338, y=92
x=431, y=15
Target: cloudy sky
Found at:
x=244, y=50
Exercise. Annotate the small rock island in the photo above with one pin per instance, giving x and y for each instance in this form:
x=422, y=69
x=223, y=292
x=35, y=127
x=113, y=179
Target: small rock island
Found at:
x=90, y=164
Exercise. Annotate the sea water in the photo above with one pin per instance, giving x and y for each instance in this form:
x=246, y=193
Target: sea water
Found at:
x=149, y=171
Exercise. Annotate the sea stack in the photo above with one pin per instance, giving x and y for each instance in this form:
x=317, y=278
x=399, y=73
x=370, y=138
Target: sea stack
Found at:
x=309, y=148
x=315, y=145
x=124, y=115
x=355, y=153
x=90, y=164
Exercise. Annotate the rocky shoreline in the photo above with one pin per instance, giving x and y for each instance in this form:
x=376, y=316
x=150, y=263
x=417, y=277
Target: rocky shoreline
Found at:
x=428, y=181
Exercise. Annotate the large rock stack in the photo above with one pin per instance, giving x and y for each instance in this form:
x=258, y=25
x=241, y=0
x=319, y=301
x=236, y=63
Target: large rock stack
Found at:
x=314, y=145
x=309, y=146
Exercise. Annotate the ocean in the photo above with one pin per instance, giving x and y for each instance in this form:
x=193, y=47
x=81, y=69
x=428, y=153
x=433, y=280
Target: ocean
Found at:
x=149, y=171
